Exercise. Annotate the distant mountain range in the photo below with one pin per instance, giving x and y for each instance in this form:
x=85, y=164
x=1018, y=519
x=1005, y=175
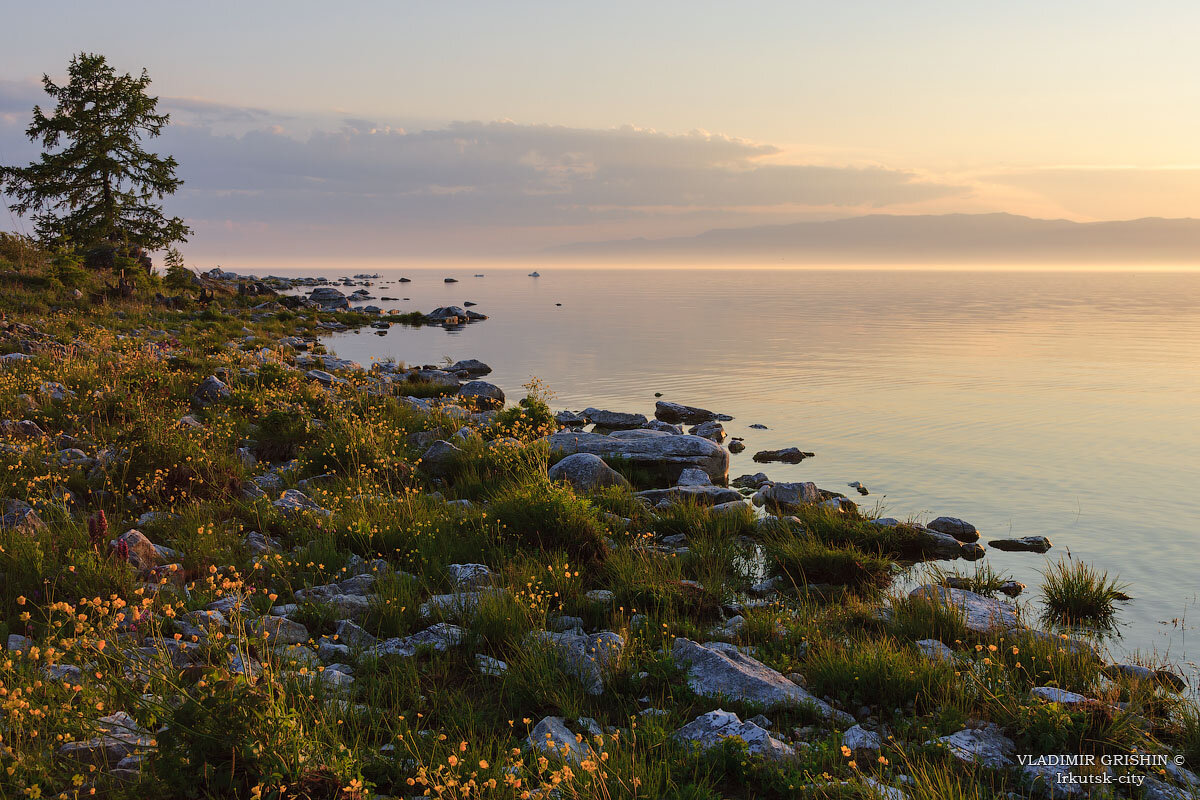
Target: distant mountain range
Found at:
x=930, y=239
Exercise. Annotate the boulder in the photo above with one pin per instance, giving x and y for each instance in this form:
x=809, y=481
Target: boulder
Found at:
x=571, y=419
x=118, y=737
x=457, y=605
x=615, y=420
x=713, y=431
x=440, y=637
x=985, y=745
x=485, y=394
x=294, y=502
x=788, y=496
x=281, y=631
x=959, y=529
x=693, y=477
x=712, y=729
x=864, y=744
x=351, y=634
x=982, y=614
x=469, y=576
x=142, y=554
x=688, y=415
x=663, y=454
x=552, y=738
x=788, y=455
x=750, y=481
x=934, y=650
x=663, y=427
x=211, y=390
x=586, y=472
x=705, y=494
x=586, y=657
x=1026, y=544
x=19, y=515
x=328, y=298
x=717, y=670
x=441, y=459
x=940, y=545
x=470, y=366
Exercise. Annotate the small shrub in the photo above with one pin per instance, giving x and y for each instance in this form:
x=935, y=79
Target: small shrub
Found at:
x=549, y=517
x=1076, y=593
x=803, y=560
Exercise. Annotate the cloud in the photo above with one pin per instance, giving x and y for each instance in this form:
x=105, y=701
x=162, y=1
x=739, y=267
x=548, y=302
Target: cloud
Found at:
x=476, y=187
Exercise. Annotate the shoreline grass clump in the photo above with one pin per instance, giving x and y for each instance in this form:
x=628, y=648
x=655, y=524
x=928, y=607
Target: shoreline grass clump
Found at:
x=1074, y=593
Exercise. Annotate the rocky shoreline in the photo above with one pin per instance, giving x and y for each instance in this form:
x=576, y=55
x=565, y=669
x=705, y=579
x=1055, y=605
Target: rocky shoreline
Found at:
x=595, y=573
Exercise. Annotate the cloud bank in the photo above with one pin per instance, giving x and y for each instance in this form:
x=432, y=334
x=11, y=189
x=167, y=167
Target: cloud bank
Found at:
x=263, y=184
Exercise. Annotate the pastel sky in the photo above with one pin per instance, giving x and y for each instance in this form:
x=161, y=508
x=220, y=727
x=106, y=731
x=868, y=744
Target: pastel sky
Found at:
x=371, y=130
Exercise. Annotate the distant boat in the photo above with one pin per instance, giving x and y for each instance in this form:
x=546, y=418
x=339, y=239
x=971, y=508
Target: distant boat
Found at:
x=534, y=275
x=478, y=274
x=450, y=280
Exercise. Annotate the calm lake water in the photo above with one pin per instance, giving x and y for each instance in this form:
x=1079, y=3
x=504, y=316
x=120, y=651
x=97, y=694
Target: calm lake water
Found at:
x=1062, y=404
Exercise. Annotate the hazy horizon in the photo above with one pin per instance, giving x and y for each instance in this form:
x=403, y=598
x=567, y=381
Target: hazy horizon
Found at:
x=417, y=133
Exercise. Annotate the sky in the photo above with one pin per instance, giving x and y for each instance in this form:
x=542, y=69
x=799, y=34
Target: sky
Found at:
x=375, y=130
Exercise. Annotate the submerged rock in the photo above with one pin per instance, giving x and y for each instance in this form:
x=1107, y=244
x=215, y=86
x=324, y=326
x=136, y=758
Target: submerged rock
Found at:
x=688, y=415
x=788, y=455
x=1026, y=544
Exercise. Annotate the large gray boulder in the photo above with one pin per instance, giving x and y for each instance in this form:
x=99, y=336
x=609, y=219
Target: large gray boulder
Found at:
x=720, y=670
x=710, y=730
x=586, y=472
x=663, y=454
x=982, y=614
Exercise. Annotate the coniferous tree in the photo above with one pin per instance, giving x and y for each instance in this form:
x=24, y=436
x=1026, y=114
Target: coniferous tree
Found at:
x=95, y=184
